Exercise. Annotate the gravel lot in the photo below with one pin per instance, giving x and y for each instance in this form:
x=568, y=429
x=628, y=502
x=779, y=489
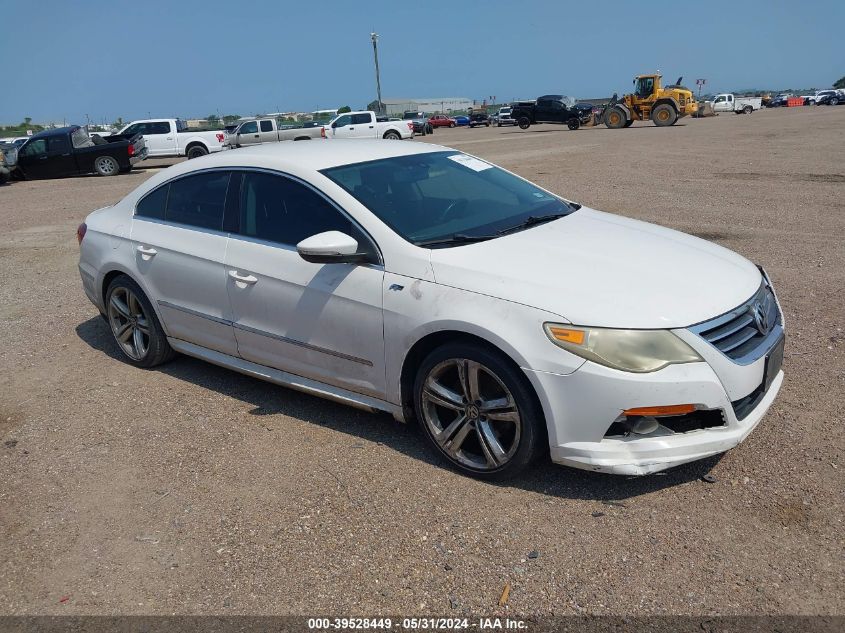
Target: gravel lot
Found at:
x=192, y=489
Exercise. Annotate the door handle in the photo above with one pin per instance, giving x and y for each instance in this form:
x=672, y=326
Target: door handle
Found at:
x=148, y=252
x=256, y=136
x=371, y=127
x=169, y=138
x=244, y=279
x=352, y=128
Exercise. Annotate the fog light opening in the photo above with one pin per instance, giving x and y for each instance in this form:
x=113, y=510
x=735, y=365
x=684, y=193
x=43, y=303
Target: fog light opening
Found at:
x=642, y=425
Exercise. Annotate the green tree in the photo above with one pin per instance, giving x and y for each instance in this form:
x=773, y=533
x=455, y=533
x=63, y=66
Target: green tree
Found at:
x=344, y=109
x=118, y=123
x=840, y=83
x=212, y=119
x=228, y=119
x=26, y=121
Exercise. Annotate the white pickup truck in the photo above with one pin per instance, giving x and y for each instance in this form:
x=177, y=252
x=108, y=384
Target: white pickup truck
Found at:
x=727, y=102
x=365, y=124
x=171, y=137
x=268, y=131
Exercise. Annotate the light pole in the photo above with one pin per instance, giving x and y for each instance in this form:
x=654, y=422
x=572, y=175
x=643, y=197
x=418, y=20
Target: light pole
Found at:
x=374, y=38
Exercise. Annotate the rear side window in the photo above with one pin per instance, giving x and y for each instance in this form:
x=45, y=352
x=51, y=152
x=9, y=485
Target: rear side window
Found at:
x=158, y=127
x=198, y=200
x=278, y=209
x=153, y=204
x=360, y=119
x=57, y=144
x=266, y=126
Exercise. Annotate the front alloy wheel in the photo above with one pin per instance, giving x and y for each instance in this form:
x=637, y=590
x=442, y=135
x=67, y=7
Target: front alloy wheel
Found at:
x=477, y=412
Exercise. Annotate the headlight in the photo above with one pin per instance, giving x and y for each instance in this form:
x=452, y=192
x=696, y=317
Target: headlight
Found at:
x=637, y=351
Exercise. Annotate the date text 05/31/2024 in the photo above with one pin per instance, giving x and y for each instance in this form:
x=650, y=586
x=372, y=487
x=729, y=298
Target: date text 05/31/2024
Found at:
x=416, y=624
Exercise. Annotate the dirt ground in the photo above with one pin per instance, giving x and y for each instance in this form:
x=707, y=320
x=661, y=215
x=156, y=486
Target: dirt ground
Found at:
x=192, y=489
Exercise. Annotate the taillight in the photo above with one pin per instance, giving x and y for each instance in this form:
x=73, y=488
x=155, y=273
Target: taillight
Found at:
x=220, y=138
x=323, y=132
x=131, y=149
x=80, y=232
x=411, y=126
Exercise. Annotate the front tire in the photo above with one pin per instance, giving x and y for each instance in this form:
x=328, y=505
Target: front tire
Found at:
x=134, y=324
x=524, y=123
x=615, y=118
x=573, y=124
x=195, y=151
x=106, y=166
x=479, y=411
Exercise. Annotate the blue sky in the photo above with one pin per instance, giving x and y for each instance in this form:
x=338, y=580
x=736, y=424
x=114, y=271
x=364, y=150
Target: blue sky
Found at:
x=191, y=58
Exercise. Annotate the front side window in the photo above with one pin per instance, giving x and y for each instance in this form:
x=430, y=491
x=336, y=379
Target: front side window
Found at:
x=266, y=126
x=249, y=128
x=720, y=99
x=135, y=128
x=343, y=121
x=198, y=200
x=35, y=148
x=431, y=197
x=281, y=210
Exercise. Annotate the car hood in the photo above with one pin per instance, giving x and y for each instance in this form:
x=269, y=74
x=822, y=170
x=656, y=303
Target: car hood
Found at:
x=603, y=270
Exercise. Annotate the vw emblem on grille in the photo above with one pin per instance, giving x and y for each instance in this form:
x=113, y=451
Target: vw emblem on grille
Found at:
x=760, y=312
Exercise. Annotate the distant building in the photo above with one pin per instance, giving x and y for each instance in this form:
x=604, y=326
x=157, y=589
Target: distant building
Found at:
x=395, y=107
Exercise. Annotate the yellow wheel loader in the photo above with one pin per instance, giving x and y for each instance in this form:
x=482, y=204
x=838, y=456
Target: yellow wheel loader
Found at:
x=650, y=100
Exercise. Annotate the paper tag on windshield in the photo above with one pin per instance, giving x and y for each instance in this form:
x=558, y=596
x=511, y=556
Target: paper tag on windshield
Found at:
x=468, y=161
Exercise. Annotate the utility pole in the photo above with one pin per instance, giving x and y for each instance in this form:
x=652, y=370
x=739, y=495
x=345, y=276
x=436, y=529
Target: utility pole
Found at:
x=374, y=38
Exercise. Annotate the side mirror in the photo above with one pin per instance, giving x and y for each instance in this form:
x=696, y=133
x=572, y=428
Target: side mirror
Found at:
x=334, y=125
x=331, y=247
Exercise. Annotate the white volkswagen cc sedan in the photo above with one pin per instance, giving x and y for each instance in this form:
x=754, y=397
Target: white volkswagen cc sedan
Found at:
x=418, y=280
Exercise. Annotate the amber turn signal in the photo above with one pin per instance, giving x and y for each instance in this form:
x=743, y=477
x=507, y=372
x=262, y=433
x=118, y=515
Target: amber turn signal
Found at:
x=673, y=409
x=567, y=335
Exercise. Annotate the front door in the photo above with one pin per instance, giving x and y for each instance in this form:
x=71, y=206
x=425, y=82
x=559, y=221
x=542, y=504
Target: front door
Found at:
x=33, y=159
x=179, y=249
x=319, y=321
x=248, y=133
x=342, y=127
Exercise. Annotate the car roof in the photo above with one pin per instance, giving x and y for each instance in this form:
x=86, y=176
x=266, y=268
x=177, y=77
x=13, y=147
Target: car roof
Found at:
x=292, y=156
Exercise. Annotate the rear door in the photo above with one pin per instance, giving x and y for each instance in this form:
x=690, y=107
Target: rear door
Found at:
x=363, y=125
x=179, y=247
x=320, y=321
x=267, y=131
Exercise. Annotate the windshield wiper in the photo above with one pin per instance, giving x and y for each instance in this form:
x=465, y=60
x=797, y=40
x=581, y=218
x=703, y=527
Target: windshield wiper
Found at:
x=533, y=220
x=457, y=238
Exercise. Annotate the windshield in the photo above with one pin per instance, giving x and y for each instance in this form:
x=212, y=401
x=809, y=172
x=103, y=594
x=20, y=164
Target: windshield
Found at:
x=437, y=196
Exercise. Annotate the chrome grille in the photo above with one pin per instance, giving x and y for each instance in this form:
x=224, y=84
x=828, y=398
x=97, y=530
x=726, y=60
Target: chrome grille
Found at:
x=748, y=331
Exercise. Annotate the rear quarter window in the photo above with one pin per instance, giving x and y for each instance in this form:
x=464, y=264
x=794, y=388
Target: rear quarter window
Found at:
x=153, y=204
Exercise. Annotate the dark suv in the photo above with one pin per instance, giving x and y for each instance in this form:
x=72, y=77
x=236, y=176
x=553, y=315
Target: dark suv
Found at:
x=421, y=124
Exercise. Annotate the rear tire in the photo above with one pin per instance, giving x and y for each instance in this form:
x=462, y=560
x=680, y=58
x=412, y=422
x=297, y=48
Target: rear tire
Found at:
x=134, y=324
x=524, y=123
x=488, y=442
x=106, y=166
x=664, y=115
x=392, y=135
x=195, y=151
x=748, y=109
x=615, y=118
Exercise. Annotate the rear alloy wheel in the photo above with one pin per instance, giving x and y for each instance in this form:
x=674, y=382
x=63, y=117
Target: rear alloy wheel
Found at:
x=748, y=109
x=392, y=135
x=134, y=325
x=478, y=411
x=615, y=118
x=664, y=115
x=106, y=166
x=196, y=151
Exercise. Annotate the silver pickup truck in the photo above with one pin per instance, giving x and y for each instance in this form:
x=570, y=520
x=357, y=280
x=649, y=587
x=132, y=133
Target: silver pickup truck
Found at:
x=268, y=131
